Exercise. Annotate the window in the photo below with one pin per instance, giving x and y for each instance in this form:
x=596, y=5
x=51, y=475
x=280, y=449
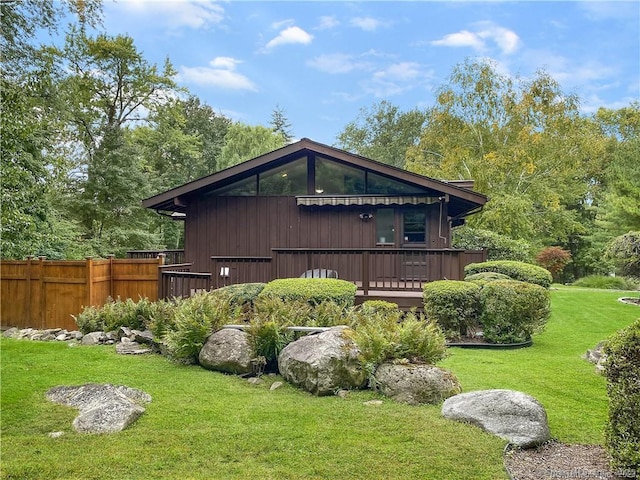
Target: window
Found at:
x=288, y=179
x=379, y=185
x=333, y=178
x=414, y=225
x=385, y=231
x=242, y=188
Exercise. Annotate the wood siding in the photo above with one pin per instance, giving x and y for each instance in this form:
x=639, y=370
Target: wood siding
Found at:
x=44, y=294
x=252, y=226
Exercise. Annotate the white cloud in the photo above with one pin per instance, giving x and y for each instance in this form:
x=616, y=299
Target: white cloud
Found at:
x=327, y=23
x=368, y=24
x=289, y=22
x=221, y=73
x=336, y=63
x=506, y=40
x=173, y=14
x=290, y=35
x=397, y=78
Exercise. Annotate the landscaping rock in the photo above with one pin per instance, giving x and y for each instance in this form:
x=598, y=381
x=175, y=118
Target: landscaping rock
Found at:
x=103, y=408
x=11, y=332
x=132, y=348
x=255, y=381
x=322, y=363
x=275, y=385
x=94, y=338
x=415, y=384
x=145, y=336
x=597, y=356
x=374, y=403
x=227, y=350
x=514, y=416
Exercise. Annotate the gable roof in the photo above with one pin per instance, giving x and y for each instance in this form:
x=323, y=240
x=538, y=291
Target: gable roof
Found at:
x=463, y=200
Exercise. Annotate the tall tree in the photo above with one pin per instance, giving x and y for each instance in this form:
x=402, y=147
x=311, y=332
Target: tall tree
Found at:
x=525, y=144
x=280, y=124
x=383, y=133
x=110, y=87
x=244, y=142
x=29, y=121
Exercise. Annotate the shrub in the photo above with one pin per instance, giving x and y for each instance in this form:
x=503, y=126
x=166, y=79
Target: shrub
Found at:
x=453, y=304
x=498, y=246
x=163, y=316
x=312, y=290
x=512, y=310
x=553, y=259
x=525, y=272
x=606, y=282
x=485, y=277
x=373, y=306
x=622, y=369
x=625, y=252
x=327, y=314
x=115, y=314
x=242, y=294
x=196, y=318
x=384, y=336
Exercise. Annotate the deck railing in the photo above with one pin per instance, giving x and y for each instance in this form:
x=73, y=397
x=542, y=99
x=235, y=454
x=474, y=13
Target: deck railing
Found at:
x=171, y=256
x=232, y=270
x=177, y=281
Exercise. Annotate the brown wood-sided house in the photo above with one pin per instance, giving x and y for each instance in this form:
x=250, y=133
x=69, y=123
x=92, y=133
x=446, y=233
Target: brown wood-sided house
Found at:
x=311, y=208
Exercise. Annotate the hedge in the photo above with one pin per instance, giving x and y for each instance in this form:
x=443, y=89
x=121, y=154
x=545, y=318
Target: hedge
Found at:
x=512, y=310
x=525, y=272
x=312, y=290
x=622, y=369
x=486, y=277
x=453, y=304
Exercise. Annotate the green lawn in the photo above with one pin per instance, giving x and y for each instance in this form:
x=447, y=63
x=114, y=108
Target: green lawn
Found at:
x=207, y=425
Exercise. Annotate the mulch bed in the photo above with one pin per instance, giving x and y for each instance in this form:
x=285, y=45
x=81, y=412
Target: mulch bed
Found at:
x=555, y=460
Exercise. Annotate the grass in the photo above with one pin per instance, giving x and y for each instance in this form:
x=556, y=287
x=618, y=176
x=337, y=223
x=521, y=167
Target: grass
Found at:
x=202, y=424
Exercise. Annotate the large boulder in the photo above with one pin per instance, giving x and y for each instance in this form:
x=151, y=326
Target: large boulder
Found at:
x=415, y=384
x=514, y=416
x=227, y=350
x=322, y=363
x=103, y=408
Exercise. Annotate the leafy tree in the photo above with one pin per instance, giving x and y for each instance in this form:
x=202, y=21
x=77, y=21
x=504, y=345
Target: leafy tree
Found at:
x=383, y=133
x=625, y=251
x=525, y=144
x=280, y=124
x=244, y=142
x=29, y=222
x=553, y=259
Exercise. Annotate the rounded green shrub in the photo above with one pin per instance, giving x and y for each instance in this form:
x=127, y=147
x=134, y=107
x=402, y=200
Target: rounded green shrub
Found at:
x=622, y=369
x=454, y=305
x=485, y=277
x=312, y=290
x=512, y=310
x=525, y=272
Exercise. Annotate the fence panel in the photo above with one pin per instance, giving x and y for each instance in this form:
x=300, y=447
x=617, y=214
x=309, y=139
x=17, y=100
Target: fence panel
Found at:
x=42, y=293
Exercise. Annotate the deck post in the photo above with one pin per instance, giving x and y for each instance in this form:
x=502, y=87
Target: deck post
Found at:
x=43, y=300
x=365, y=272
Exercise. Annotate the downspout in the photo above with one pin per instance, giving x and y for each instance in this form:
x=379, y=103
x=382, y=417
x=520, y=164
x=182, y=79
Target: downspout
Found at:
x=442, y=202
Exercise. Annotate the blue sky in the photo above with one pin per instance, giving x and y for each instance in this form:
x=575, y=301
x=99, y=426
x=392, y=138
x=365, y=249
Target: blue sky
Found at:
x=322, y=62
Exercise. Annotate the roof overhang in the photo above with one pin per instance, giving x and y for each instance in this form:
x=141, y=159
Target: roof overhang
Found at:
x=362, y=200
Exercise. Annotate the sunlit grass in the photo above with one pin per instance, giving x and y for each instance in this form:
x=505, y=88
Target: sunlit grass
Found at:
x=207, y=425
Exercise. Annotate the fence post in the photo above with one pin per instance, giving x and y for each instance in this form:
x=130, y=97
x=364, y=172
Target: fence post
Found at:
x=28, y=288
x=89, y=279
x=274, y=264
x=43, y=300
x=111, y=256
x=161, y=258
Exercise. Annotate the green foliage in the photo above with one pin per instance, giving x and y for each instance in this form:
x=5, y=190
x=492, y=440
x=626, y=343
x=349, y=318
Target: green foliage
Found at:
x=383, y=133
x=195, y=319
x=625, y=252
x=499, y=247
x=485, y=277
x=280, y=124
x=373, y=306
x=241, y=294
x=162, y=317
x=454, y=305
x=312, y=290
x=244, y=142
x=622, y=369
x=115, y=314
x=512, y=310
x=606, y=282
x=553, y=259
x=385, y=335
x=524, y=272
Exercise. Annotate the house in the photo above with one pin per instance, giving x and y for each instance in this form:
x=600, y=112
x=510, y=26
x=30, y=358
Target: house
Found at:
x=309, y=208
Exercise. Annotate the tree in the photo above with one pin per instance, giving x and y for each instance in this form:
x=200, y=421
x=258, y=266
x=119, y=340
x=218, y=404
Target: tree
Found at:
x=625, y=252
x=524, y=143
x=383, y=133
x=280, y=124
x=553, y=259
x=244, y=142
x=110, y=87
x=29, y=222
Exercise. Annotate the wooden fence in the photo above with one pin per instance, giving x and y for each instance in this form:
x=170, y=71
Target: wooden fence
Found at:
x=42, y=293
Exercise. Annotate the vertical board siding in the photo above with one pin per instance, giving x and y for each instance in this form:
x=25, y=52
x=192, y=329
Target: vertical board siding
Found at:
x=42, y=294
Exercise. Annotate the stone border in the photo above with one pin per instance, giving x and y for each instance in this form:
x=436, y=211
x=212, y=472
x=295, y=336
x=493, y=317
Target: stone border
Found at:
x=492, y=346
x=630, y=301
